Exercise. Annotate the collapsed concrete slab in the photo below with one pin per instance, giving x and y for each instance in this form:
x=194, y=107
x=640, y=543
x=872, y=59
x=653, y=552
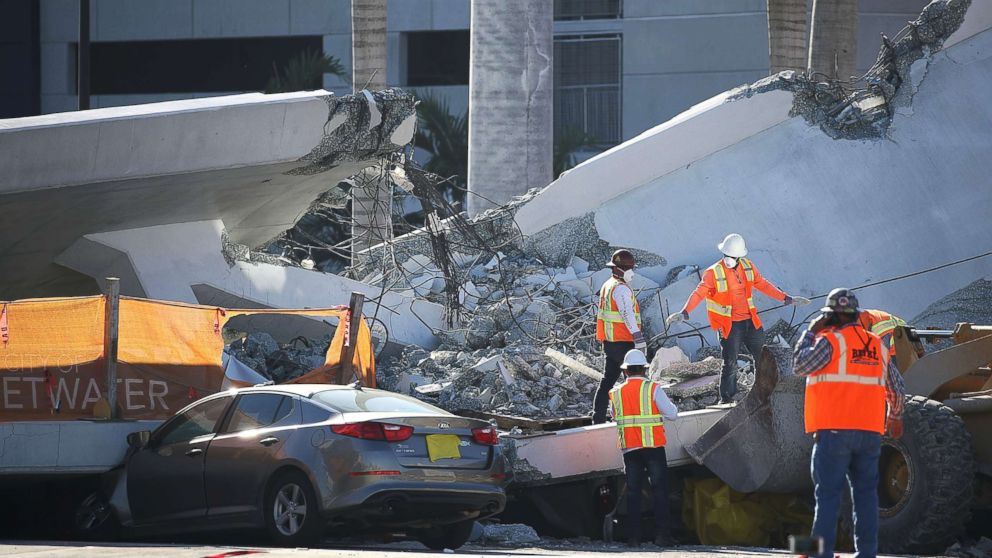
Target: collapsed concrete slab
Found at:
x=254, y=161
x=185, y=262
x=818, y=210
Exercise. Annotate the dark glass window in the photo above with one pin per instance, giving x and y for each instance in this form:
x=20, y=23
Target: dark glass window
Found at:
x=192, y=66
x=437, y=58
x=258, y=410
x=197, y=421
x=355, y=401
x=587, y=86
x=587, y=9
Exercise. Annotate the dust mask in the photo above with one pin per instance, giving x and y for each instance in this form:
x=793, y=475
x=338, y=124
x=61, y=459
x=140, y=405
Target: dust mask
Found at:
x=628, y=275
x=730, y=262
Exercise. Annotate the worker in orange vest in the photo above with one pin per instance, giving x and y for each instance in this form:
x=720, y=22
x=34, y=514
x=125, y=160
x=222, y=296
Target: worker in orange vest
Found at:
x=638, y=407
x=618, y=326
x=882, y=324
x=854, y=394
x=727, y=287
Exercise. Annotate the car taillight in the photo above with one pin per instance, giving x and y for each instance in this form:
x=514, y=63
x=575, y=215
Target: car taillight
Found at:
x=374, y=431
x=485, y=435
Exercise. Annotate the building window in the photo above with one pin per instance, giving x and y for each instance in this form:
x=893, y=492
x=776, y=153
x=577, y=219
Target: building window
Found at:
x=587, y=86
x=437, y=58
x=570, y=10
x=192, y=66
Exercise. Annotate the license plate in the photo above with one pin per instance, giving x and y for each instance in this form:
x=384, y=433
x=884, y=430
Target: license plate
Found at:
x=443, y=446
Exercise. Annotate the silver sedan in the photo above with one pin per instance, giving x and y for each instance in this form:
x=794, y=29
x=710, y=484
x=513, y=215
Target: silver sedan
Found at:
x=297, y=459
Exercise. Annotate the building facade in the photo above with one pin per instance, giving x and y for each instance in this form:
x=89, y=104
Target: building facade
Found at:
x=621, y=66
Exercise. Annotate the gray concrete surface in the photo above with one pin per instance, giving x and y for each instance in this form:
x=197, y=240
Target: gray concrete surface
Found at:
x=65, y=447
x=546, y=548
x=55, y=550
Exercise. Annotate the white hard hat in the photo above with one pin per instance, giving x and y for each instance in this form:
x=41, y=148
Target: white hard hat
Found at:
x=733, y=246
x=634, y=357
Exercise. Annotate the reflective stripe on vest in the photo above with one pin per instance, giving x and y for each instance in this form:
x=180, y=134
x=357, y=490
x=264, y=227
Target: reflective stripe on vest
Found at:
x=646, y=420
x=720, y=314
x=840, y=398
x=609, y=320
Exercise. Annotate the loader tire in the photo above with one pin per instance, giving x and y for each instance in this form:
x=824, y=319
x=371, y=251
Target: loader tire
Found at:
x=926, y=480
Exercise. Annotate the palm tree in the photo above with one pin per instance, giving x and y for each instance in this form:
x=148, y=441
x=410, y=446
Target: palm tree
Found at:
x=445, y=137
x=304, y=72
x=787, y=35
x=833, y=38
x=567, y=143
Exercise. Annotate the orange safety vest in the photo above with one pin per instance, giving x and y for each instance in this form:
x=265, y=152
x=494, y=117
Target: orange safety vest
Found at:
x=719, y=304
x=881, y=324
x=636, y=413
x=609, y=322
x=849, y=392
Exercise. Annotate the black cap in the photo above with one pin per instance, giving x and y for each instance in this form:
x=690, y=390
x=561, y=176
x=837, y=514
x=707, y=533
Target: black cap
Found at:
x=841, y=301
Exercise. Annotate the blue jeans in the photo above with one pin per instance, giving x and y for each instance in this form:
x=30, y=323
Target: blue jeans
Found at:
x=741, y=333
x=639, y=465
x=851, y=455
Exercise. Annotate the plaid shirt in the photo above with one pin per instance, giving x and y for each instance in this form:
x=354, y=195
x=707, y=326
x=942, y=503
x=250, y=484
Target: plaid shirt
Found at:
x=813, y=353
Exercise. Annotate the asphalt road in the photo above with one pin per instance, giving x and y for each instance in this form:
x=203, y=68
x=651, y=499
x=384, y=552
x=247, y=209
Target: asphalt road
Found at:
x=47, y=549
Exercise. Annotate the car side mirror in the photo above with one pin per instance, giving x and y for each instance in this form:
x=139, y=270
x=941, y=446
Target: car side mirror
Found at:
x=138, y=439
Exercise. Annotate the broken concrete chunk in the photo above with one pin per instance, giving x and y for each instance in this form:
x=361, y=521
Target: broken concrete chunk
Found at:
x=694, y=387
x=480, y=331
x=705, y=367
x=469, y=296
x=573, y=364
x=431, y=389
x=511, y=533
x=665, y=357
x=419, y=264
x=488, y=364
x=407, y=382
x=579, y=265
x=422, y=284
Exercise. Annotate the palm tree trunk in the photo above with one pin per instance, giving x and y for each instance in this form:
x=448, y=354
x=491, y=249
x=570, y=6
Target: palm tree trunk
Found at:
x=787, y=35
x=833, y=43
x=510, y=100
x=371, y=196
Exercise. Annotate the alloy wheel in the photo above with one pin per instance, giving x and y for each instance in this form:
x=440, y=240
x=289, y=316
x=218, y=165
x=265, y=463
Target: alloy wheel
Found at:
x=289, y=509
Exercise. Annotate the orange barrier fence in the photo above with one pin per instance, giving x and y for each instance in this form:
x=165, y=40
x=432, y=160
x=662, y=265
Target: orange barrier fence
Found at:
x=53, y=356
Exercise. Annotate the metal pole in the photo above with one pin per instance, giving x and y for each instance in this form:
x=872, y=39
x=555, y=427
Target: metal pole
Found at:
x=348, y=354
x=110, y=341
x=83, y=56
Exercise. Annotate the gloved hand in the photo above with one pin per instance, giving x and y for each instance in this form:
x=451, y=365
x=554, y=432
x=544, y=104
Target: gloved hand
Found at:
x=893, y=428
x=639, y=342
x=677, y=317
x=795, y=300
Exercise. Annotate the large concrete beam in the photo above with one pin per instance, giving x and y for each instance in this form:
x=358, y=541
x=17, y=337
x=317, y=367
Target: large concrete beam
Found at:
x=254, y=161
x=740, y=163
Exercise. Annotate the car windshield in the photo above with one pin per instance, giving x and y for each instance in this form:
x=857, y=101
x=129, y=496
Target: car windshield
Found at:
x=365, y=401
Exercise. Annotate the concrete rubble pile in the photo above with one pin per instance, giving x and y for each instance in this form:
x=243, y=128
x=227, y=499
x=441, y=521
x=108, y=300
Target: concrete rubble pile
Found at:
x=968, y=304
x=695, y=385
x=523, y=343
x=279, y=362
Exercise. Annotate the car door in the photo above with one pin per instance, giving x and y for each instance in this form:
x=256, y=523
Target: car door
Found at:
x=246, y=450
x=165, y=478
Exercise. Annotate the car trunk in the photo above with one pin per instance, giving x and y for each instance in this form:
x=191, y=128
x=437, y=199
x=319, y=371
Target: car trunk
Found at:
x=438, y=431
